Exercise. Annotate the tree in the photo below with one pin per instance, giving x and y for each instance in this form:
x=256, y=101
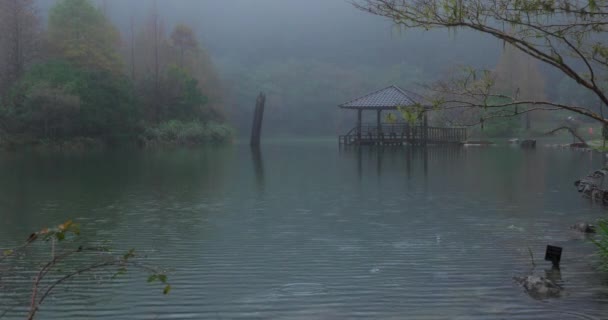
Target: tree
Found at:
x=517, y=75
x=20, y=38
x=152, y=47
x=58, y=100
x=565, y=35
x=49, y=112
x=183, y=39
x=81, y=34
x=176, y=78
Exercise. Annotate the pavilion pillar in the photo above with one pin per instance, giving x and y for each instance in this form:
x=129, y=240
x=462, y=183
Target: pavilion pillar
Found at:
x=379, y=124
x=359, y=118
x=425, y=129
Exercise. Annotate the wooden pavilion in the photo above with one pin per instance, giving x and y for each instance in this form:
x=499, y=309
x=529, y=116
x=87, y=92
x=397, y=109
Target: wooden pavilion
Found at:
x=398, y=133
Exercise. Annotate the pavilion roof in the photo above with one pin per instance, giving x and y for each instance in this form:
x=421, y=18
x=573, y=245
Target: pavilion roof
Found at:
x=385, y=99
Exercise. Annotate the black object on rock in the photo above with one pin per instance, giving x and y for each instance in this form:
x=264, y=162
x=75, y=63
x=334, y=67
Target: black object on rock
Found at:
x=554, y=254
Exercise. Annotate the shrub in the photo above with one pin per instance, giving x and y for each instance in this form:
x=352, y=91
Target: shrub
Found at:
x=175, y=132
x=57, y=99
x=602, y=243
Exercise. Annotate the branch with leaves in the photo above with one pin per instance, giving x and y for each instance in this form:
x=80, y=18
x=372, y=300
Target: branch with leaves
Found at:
x=566, y=35
x=64, y=247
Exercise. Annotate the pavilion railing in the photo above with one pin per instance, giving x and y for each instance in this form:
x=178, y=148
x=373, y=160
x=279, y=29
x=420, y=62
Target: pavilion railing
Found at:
x=370, y=133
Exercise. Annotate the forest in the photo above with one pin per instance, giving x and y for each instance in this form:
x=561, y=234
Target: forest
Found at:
x=72, y=77
x=190, y=75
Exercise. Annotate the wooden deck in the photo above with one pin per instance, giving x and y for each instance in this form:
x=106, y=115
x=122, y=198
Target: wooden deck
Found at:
x=402, y=134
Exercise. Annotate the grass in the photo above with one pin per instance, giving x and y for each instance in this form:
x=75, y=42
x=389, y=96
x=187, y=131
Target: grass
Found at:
x=601, y=243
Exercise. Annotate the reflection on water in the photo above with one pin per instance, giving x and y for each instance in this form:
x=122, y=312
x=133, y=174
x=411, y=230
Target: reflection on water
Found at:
x=369, y=233
x=554, y=274
x=419, y=154
x=258, y=166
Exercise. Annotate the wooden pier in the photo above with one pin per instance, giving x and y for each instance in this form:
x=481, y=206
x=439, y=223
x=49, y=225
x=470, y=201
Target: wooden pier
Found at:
x=402, y=134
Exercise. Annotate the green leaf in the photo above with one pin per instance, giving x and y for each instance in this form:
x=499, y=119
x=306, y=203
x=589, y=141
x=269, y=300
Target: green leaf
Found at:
x=152, y=278
x=162, y=278
x=129, y=254
x=8, y=252
x=167, y=289
x=120, y=272
x=60, y=236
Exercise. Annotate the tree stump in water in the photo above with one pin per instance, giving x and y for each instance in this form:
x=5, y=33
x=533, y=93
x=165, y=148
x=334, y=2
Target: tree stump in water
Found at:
x=258, y=117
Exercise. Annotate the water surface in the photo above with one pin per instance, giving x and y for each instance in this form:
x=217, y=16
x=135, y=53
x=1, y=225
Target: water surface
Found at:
x=311, y=231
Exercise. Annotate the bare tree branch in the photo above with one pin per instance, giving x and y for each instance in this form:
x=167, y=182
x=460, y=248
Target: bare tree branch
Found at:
x=561, y=34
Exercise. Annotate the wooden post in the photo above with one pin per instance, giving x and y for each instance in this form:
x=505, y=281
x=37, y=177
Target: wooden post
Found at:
x=359, y=119
x=379, y=128
x=258, y=117
x=425, y=129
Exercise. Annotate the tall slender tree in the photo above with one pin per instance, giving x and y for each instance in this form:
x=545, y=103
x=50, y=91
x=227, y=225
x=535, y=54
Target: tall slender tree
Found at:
x=518, y=75
x=20, y=39
x=83, y=35
x=184, y=41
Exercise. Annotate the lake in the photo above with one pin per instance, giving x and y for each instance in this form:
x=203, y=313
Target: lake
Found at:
x=306, y=230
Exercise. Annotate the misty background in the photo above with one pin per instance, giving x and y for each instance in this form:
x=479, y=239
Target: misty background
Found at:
x=309, y=56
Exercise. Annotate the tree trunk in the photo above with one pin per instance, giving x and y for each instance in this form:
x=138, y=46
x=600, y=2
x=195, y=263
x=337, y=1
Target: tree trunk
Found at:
x=258, y=117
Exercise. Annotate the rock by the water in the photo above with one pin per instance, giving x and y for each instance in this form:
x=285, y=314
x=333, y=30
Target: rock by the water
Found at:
x=594, y=186
x=478, y=143
x=528, y=144
x=581, y=145
x=540, y=288
x=583, y=227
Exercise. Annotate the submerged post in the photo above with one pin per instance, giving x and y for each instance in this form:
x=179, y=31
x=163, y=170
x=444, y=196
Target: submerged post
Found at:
x=258, y=117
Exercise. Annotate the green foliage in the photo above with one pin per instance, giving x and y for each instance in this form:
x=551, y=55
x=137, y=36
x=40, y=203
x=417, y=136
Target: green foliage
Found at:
x=503, y=127
x=185, y=99
x=68, y=260
x=565, y=35
x=175, y=132
x=412, y=114
x=162, y=278
x=84, y=36
x=82, y=93
x=602, y=243
x=391, y=118
x=501, y=123
x=58, y=100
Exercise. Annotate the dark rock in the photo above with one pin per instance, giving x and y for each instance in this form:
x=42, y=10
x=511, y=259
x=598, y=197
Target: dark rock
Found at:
x=479, y=143
x=593, y=181
x=528, y=144
x=539, y=287
x=579, y=145
x=583, y=227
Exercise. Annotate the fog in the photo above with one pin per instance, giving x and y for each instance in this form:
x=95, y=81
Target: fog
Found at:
x=310, y=56
x=249, y=40
x=135, y=118
x=329, y=30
